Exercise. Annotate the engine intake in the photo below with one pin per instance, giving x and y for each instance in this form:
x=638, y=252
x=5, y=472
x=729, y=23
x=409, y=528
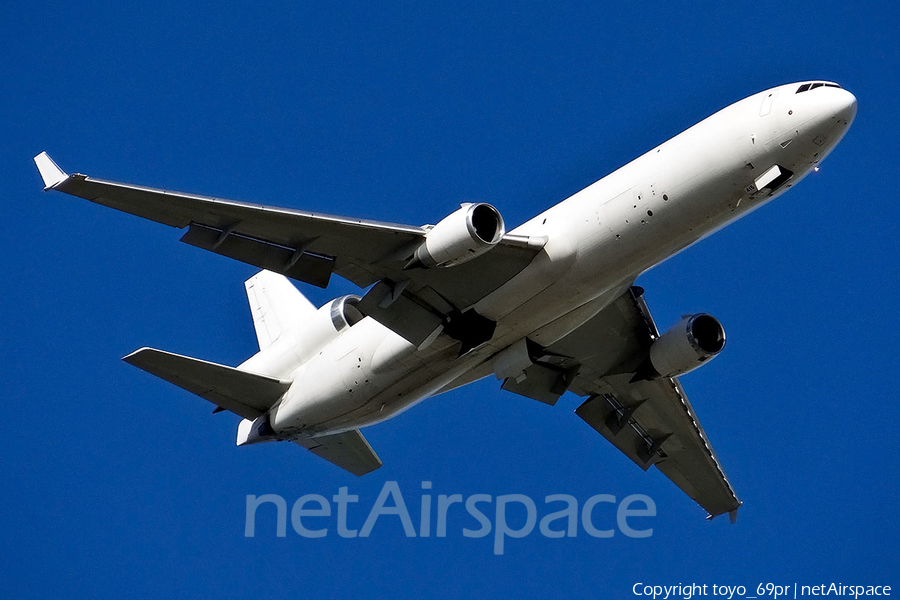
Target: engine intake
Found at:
x=469, y=232
x=296, y=346
x=688, y=344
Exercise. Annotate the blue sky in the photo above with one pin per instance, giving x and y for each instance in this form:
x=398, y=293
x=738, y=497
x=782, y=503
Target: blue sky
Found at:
x=119, y=484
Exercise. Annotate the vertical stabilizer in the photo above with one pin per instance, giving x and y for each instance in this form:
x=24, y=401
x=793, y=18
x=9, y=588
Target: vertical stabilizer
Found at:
x=276, y=305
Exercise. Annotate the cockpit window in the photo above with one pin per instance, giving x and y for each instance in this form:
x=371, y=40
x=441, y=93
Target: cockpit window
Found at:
x=812, y=86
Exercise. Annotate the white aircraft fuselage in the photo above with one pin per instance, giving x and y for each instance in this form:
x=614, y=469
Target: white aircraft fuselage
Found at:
x=598, y=242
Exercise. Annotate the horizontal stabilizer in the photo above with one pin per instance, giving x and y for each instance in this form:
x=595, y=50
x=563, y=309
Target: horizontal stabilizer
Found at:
x=246, y=394
x=349, y=450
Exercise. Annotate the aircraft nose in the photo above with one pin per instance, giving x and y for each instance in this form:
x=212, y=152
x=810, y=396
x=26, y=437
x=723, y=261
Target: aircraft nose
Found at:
x=843, y=105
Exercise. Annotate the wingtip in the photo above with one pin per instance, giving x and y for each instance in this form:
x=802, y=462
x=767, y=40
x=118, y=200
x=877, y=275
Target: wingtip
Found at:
x=49, y=170
x=131, y=358
x=732, y=515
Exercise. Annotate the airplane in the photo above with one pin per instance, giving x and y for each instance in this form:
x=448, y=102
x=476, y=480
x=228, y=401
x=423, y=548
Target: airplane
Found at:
x=548, y=307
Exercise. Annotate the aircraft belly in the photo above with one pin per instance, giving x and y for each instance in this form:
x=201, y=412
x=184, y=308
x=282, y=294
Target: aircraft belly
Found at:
x=366, y=375
x=585, y=264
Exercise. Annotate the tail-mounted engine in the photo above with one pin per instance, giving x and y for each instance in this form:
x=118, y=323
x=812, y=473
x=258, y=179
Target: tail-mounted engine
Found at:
x=301, y=343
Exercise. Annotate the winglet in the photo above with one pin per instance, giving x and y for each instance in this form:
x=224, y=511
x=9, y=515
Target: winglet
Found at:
x=50, y=172
x=732, y=515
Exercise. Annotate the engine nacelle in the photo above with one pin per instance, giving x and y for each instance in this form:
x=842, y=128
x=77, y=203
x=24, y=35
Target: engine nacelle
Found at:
x=324, y=326
x=300, y=344
x=469, y=232
x=688, y=344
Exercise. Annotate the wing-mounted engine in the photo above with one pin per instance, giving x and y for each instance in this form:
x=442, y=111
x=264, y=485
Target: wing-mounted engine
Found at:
x=469, y=232
x=447, y=271
x=688, y=344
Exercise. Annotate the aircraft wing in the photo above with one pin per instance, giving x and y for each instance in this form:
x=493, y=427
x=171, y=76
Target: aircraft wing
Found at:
x=310, y=247
x=651, y=422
